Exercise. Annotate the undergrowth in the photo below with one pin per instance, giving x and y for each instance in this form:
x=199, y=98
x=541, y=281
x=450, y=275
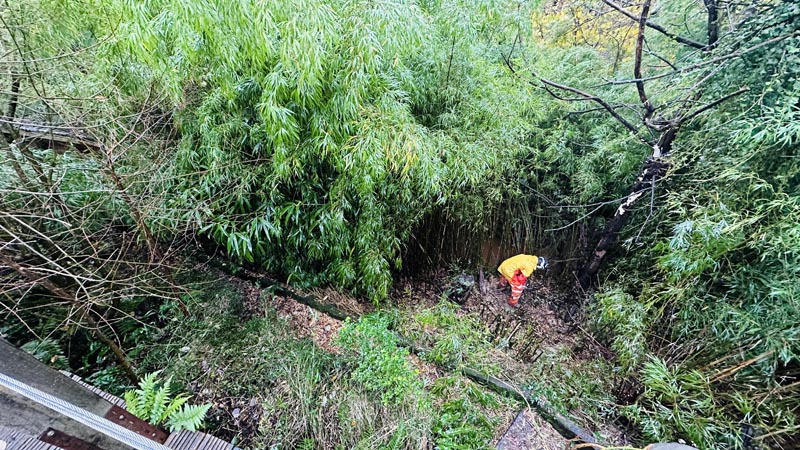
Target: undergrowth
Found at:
x=289, y=393
x=449, y=338
x=575, y=385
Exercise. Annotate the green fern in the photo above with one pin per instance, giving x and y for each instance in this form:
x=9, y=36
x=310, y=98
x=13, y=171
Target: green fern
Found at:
x=48, y=351
x=145, y=395
x=189, y=417
x=153, y=402
x=175, y=405
x=160, y=401
x=132, y=402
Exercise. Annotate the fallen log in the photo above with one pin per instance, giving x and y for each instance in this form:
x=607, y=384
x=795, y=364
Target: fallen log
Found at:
x=276, y=287
x=558, y=421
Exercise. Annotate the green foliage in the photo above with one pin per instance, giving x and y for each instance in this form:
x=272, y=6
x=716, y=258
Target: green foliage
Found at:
x=48, y=351
x=463, y=418
x=313, y=146
x=679, y=404
x=189, y=417
x=156, y=403
x=64, y=218
x=627, y=320
x=712, y=284
x=460, y=426
x=109, y=379
x=584, y=385
x=450, y=337
x=316, y=138
x=290, y=391
x=299, y=151
x=381, y=366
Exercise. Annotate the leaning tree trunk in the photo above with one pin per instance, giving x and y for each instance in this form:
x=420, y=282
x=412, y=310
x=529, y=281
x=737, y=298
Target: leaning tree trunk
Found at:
x=652, y=171
x=665, y=125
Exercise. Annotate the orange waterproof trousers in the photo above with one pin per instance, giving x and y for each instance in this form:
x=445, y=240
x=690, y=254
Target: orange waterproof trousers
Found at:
x=517, y=288
x=516, y=292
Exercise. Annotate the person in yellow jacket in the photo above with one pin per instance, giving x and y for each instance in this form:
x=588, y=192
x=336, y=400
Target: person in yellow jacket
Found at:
x=516, y=270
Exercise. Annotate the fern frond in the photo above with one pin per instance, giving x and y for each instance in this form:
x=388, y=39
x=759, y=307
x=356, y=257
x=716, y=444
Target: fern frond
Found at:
x=157, y=412
x=147, y=393
x=175, y=405
x=190, y=417
x=132, y=403
x=149, y=380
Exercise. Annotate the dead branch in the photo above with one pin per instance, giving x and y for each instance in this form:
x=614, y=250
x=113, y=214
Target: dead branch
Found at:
x=688, y=69
x=659, y=28
x=90, y=321
x=659, y=57
x=637, y=64
x=716, y=102
x=584, y=96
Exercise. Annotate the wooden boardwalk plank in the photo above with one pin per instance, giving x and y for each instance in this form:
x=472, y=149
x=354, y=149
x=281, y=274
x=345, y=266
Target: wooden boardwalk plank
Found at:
x=201, y=444
x=185, y=437
x=187, y=440
x=215, y=443
x=20, y=441
x=180, y=439
x=192, y=442
x=218, y=444
x=173, y=438
x=207, y=442
x=29, y=443
x=184, y=441
x=197, y=443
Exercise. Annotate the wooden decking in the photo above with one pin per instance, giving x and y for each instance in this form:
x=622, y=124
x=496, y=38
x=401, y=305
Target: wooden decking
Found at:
x=195, y=440
x=49, y=136
x=113, y=399
x=14, y=440
x=11, y=439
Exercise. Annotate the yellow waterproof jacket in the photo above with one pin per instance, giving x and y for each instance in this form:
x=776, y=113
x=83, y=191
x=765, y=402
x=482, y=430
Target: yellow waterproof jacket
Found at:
x=525, y=263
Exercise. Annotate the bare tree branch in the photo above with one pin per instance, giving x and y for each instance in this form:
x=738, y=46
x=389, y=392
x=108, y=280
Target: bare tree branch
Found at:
x=637, y=64
x=63, y=295
x=659, y=28
x=716, y=102
x=659, y=57
x=687, y=69
x=584, y=96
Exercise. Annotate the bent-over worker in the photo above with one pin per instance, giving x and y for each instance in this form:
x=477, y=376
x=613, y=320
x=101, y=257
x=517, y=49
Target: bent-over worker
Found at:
x=516, y=270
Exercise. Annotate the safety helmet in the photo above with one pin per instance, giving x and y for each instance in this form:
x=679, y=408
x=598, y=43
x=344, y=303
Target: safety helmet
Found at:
x=541, y=263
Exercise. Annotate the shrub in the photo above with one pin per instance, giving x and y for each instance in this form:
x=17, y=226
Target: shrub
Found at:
x=381, y=366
